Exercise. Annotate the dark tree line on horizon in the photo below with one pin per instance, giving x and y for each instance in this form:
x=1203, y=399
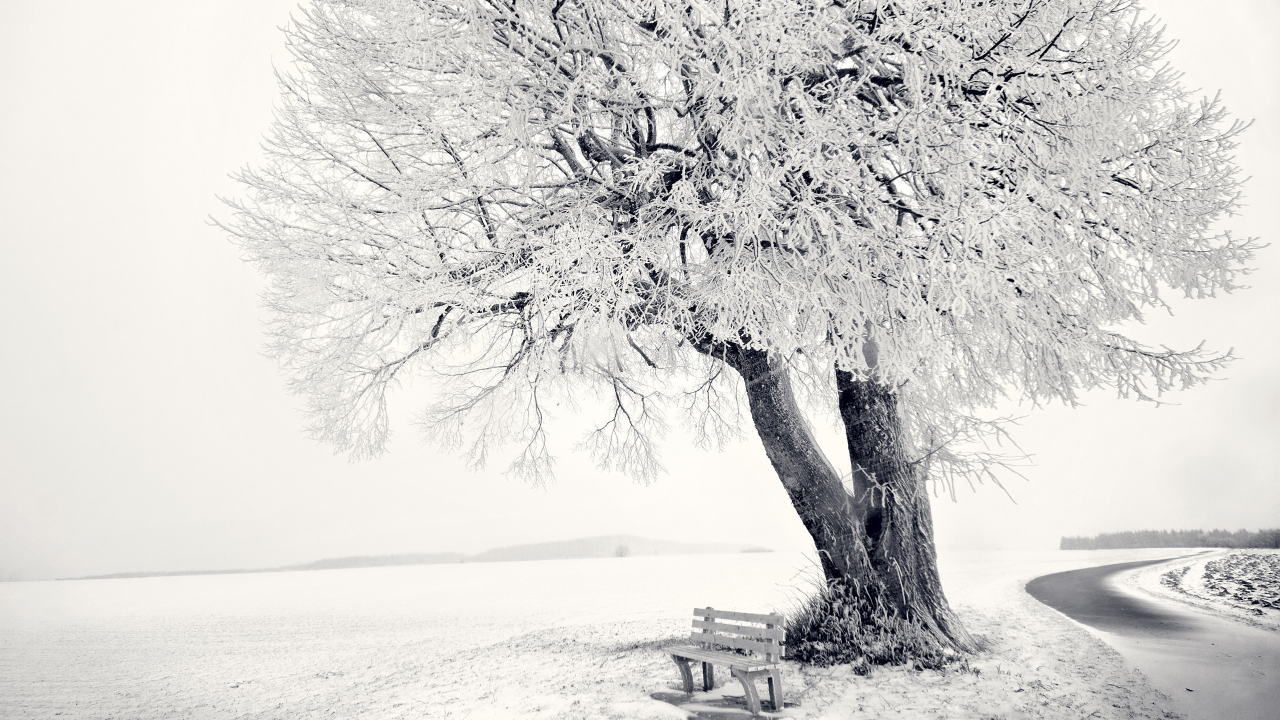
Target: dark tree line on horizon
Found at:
x=1265, y=538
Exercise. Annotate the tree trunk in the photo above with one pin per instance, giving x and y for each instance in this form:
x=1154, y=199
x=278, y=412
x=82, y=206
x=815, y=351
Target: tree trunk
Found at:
x=878, y=540
x=891, y=505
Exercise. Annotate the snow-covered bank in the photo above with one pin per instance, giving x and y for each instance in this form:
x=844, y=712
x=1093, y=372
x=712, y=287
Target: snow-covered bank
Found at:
x=562, y=639
x=1210, y=582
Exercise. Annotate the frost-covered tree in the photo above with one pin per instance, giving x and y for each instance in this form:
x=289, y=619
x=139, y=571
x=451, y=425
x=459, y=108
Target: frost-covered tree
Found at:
x=900, y=209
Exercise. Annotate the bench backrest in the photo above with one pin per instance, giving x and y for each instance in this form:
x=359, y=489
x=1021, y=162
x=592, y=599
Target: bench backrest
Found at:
x=764, y=636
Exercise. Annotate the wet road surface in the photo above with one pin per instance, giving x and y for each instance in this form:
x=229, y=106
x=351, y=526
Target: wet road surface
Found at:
x=1087, y=596
x=1212, y=668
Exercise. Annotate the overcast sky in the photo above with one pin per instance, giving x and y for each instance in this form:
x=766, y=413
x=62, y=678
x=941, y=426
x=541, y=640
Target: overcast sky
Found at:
x=141, y=428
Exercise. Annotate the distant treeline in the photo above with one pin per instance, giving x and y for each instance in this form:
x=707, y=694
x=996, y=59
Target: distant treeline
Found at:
x=1175, y=538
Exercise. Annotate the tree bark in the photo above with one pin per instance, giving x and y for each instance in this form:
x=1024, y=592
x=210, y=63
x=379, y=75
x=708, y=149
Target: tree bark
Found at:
x=877, y=540
x=811, y=481
x=891, y=505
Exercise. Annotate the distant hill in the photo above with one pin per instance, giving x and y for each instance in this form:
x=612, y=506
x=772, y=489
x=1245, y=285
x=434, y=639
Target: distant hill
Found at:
x=604, y=546
x=359, y=561
x=356, y=561
x=170, y=573
x=596, y=547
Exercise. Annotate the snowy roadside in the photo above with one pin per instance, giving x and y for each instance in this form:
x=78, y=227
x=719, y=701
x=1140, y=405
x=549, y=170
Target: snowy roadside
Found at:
x=1241, y=585
x=563, y=639
x=1039, y=664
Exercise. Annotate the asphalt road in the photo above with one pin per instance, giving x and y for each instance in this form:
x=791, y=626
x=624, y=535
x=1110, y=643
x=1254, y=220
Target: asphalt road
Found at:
x=1087, y=596
x=1212, y=668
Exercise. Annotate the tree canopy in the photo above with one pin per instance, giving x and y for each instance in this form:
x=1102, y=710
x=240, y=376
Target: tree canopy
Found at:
x=959, y=198
x=903, y=209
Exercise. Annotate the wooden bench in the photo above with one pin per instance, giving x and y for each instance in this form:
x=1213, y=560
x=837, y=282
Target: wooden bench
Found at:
x=764, y=643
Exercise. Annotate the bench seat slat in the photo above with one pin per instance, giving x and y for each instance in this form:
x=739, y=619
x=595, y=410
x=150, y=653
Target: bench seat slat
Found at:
x=739, y=616
x=733, y=660
x=776, y=633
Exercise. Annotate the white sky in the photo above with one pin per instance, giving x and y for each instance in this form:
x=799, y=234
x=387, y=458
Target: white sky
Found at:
x=142, y=429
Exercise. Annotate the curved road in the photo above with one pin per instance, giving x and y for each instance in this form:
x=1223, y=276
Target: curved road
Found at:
x=1087, y=596
x=1213, y=669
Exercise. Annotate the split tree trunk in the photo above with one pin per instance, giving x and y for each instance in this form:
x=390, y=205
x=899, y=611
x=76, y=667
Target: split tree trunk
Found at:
x=878, y=539
x=891, y=507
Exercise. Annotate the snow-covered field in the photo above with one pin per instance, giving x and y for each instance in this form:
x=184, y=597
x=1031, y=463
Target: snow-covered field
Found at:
x=553, y=639
x=1242, y=585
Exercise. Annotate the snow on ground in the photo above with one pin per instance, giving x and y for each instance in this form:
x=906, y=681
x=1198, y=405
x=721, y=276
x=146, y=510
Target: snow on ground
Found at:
x=1241, y=585
x=554, y=639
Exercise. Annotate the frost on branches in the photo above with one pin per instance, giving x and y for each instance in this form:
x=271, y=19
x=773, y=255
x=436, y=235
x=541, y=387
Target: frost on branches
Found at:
x=900, y=209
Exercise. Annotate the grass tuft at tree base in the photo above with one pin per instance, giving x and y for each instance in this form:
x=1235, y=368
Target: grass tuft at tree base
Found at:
x=842, y=626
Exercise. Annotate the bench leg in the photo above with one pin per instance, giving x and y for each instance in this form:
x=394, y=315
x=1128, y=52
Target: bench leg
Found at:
x=708, y=676
x=686, y=676
x=749, y=685
x=775, y=689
